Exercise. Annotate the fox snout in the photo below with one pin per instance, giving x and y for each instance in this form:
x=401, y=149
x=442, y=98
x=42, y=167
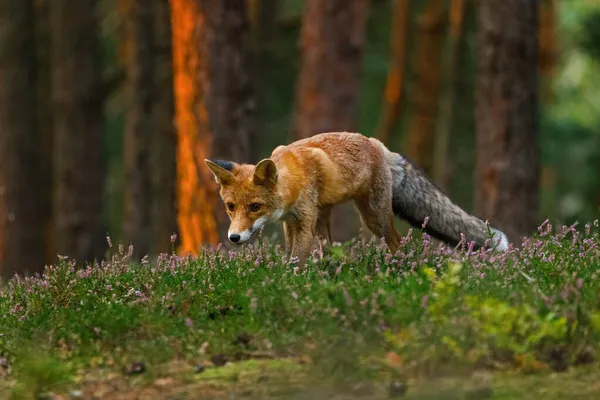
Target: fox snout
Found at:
x=240, y=237
x=240, y=233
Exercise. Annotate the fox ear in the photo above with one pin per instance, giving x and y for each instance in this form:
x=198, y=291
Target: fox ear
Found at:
x=221, y=170
x=265, y=173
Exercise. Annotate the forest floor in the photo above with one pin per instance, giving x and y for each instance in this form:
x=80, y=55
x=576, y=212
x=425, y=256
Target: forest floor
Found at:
x=426, y=323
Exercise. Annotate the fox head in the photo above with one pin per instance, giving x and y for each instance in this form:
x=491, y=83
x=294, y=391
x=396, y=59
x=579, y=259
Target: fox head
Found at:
x=250, y=196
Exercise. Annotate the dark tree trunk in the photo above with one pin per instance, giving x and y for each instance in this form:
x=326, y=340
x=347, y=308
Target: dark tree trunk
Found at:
x=21, y=213
x=231, y=97
x=139, y=125
x=506, y=116
x=164, y=147
x=332, y=45
x=77, y=105
x=45, y=120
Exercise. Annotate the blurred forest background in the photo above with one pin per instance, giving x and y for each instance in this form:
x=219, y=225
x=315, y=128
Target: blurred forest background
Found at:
x=108, y=107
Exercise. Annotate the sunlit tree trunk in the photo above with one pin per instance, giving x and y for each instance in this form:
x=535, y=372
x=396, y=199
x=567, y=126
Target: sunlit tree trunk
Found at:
x=431, y=29
x=394, y=85
x=506, y=116
x=442, y=170
x=196, y=188
x=332, y=43
x=21, y=206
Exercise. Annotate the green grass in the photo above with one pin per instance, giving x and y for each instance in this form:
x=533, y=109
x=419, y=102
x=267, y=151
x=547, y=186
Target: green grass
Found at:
x=361, y=318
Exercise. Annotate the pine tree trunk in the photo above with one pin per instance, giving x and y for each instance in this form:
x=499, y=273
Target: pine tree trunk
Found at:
x=332, y=43
x=44, y=101
x=139, y=125
x=231, y=98
x=506, y=116
x=77, y=110
x=430, y=39
x=197, y=192
x=21, y=210
x=442, y=168
x=394, y=85
x=164, y=144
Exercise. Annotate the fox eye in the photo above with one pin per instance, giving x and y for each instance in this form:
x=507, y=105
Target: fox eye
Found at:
x=230, y=206
x=255, y=207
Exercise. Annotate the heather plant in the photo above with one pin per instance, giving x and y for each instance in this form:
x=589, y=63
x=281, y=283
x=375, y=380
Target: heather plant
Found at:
x=438, y=309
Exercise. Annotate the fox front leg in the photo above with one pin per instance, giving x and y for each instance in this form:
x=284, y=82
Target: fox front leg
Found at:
x=303, y=233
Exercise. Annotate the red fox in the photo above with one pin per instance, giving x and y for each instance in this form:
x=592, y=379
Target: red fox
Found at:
x=300, y=183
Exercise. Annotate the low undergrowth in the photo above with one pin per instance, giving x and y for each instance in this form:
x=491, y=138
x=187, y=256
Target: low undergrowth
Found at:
x=360, y=312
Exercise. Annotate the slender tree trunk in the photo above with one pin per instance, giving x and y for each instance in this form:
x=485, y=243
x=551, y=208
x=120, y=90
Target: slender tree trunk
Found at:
x=197, y=195
x=430, y=40
x=547, y=45
x=21, y=216
x=164, y=145
x=395, y=78
x=332, y=44
x=442, y=170
x=139, y=124
x=78, y=110
x=506, y=116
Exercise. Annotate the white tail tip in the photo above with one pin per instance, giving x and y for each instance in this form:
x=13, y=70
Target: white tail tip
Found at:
x=501, y=240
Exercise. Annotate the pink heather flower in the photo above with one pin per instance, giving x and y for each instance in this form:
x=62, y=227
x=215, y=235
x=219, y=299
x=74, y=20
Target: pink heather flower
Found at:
x=189, y=323
x=294, y=296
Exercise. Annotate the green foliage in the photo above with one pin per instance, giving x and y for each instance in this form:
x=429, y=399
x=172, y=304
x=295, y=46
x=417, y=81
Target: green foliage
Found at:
x=439, y=310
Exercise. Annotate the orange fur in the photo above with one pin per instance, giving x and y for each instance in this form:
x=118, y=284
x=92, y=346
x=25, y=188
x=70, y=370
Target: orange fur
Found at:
x=300, y=183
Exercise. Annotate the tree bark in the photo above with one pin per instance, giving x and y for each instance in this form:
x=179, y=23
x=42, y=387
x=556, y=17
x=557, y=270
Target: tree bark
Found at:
x=395, y=78
x=442, y=169
x=44, y=103
x=140, y=126
x=332, y=43
x=506, y=116
x=21, y=210
x=164, y=145
x=197, y=194
x=231, y=96
x=430, y=39
x=77, y=105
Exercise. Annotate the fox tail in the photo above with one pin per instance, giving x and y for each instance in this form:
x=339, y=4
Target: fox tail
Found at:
x=415, y=198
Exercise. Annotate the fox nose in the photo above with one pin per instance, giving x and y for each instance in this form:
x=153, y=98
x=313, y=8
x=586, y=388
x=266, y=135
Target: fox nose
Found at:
x=234, y=237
